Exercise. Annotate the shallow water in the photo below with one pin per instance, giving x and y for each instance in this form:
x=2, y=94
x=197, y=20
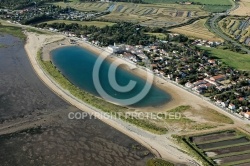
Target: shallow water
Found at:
x=50, y=137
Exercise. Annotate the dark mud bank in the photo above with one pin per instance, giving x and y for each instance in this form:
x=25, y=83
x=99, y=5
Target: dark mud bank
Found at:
x=35, y=128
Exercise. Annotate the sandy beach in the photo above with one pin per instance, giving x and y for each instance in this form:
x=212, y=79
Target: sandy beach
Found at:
x=175, y=101
x=34, y=123
x=161, y=145
x=157, y=144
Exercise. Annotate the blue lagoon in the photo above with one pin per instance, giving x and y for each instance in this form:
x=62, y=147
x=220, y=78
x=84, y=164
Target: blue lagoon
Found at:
x=77, y=64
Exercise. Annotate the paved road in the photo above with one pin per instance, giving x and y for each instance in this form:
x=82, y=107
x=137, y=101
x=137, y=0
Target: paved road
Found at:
x=215, y=28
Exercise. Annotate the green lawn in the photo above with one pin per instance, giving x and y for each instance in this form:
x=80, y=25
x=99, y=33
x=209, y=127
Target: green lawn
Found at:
x=2, y=45
x=88, y=23
x=216, y=8
x=158, y=35
x=15, y=31
x=209, y=5
x=233, y=59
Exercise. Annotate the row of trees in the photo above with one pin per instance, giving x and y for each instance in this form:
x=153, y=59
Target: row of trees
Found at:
x=122, y=32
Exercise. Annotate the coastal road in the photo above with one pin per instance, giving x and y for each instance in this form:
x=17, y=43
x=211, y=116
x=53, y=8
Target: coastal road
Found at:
x=214, y=27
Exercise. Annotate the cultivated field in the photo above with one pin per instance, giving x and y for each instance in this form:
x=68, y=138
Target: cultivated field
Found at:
x=236, y=27
x=87, y=6
x=161, y=15
x=88, y=23
x=197, y=30
x=208, y=5
x=230, y=147
x=207, y=2
x=243, y=10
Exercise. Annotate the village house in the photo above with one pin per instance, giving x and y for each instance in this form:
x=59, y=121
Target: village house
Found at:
x=189, y=85
x=210, y=81
x=231, y=106
x=218, y=78
x=247, y=115
x=199, y=82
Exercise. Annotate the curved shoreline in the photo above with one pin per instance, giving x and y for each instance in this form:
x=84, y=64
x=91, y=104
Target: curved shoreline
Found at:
x=160, y=145
x=157, y=144
x=137, y=70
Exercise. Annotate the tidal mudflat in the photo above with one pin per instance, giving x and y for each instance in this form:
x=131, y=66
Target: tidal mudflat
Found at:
x=35, y=128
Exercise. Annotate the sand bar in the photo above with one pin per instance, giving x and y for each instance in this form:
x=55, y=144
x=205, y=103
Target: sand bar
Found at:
x=161, y=145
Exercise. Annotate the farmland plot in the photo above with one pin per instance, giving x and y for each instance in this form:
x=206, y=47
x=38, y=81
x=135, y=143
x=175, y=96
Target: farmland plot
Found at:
x=197, y=30
x=159, y=15
x=230, y=147
x=236, y=27
x=243, y=10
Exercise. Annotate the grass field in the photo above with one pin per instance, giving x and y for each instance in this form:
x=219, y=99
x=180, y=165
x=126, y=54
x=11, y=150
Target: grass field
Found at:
x=216, y=8
x=158, y=35
x=209, y=5
x=2, y=45
x=243, y=10
x=15, y=31
x=185, y=122
x=233, y=59
x=88, y=23
x=197, y=30
x=236, y=27
x=161, y=15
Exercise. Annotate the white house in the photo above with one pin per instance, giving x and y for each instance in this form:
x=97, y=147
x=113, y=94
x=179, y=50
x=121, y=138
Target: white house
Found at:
x=247, y=115
x=231, y=106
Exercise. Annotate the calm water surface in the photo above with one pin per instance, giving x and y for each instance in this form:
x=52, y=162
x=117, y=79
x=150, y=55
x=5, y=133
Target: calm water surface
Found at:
x=77, y=65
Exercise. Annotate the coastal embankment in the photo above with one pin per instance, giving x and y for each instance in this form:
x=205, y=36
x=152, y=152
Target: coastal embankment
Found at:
x=158, y=144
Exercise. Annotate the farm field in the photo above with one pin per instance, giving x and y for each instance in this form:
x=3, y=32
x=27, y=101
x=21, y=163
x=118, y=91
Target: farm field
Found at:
x=229, y=147
x=233, y=59
x=236, y=27
x=159, y=15
x=243, y=10
x=197, y=30
x=209, y=2
x=87, y=6
x=216, y=8
x=209, y=5
x=88, y=23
